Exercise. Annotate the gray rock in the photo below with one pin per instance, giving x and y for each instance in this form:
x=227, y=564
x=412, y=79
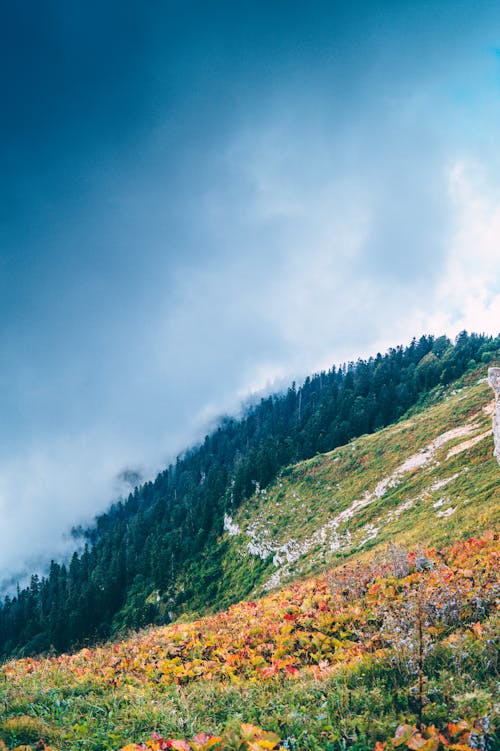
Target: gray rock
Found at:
x=494, y=381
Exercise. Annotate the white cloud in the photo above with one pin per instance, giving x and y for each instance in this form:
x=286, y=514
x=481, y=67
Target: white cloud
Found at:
x=47, y=490
x=468, y=295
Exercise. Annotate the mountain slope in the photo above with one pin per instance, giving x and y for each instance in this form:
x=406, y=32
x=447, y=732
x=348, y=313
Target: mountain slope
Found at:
x=430, y=479
x=162, y=551
x=394, y=647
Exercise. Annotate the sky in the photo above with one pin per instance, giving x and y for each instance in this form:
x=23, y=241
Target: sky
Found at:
x=202, y=201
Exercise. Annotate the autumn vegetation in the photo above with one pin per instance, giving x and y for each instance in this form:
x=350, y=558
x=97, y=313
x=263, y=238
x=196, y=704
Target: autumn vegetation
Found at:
x=399, y=651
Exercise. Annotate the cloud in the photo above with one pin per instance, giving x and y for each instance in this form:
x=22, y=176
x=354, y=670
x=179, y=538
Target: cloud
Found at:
x=130, y=478
x=44, y=491
x=468, y=295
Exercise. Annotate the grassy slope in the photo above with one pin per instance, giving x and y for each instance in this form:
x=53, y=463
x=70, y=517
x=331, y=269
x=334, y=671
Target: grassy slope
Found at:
x=447, y=498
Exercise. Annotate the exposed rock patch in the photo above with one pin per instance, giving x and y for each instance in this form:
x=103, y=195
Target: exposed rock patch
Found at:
x=467, y=444
x=494, y=381
x=230, y=526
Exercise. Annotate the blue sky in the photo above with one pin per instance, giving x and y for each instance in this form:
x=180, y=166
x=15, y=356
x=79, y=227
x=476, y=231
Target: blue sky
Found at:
x=202, y=200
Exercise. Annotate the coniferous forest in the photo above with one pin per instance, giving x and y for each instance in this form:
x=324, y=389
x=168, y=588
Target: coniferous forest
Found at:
x=153, y=556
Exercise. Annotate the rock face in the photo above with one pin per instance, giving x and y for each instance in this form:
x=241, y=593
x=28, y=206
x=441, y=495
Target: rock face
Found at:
x=494, y=381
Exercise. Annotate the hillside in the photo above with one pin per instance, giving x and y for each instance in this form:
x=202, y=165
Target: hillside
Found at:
x=163, y=551
x=430, y=479
x=394, y=645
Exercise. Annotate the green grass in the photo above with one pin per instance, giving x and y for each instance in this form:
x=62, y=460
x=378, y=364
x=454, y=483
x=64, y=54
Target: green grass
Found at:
x=351, y=709
x=311, y=494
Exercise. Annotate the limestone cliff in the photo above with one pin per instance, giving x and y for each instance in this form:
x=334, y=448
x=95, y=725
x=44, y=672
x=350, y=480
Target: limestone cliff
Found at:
x=494, y=381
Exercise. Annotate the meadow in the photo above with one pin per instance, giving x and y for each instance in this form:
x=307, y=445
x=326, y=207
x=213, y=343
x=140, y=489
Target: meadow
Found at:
x=397, y=651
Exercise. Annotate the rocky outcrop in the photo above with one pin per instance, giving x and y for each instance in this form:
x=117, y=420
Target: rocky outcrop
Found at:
x=494, y=381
